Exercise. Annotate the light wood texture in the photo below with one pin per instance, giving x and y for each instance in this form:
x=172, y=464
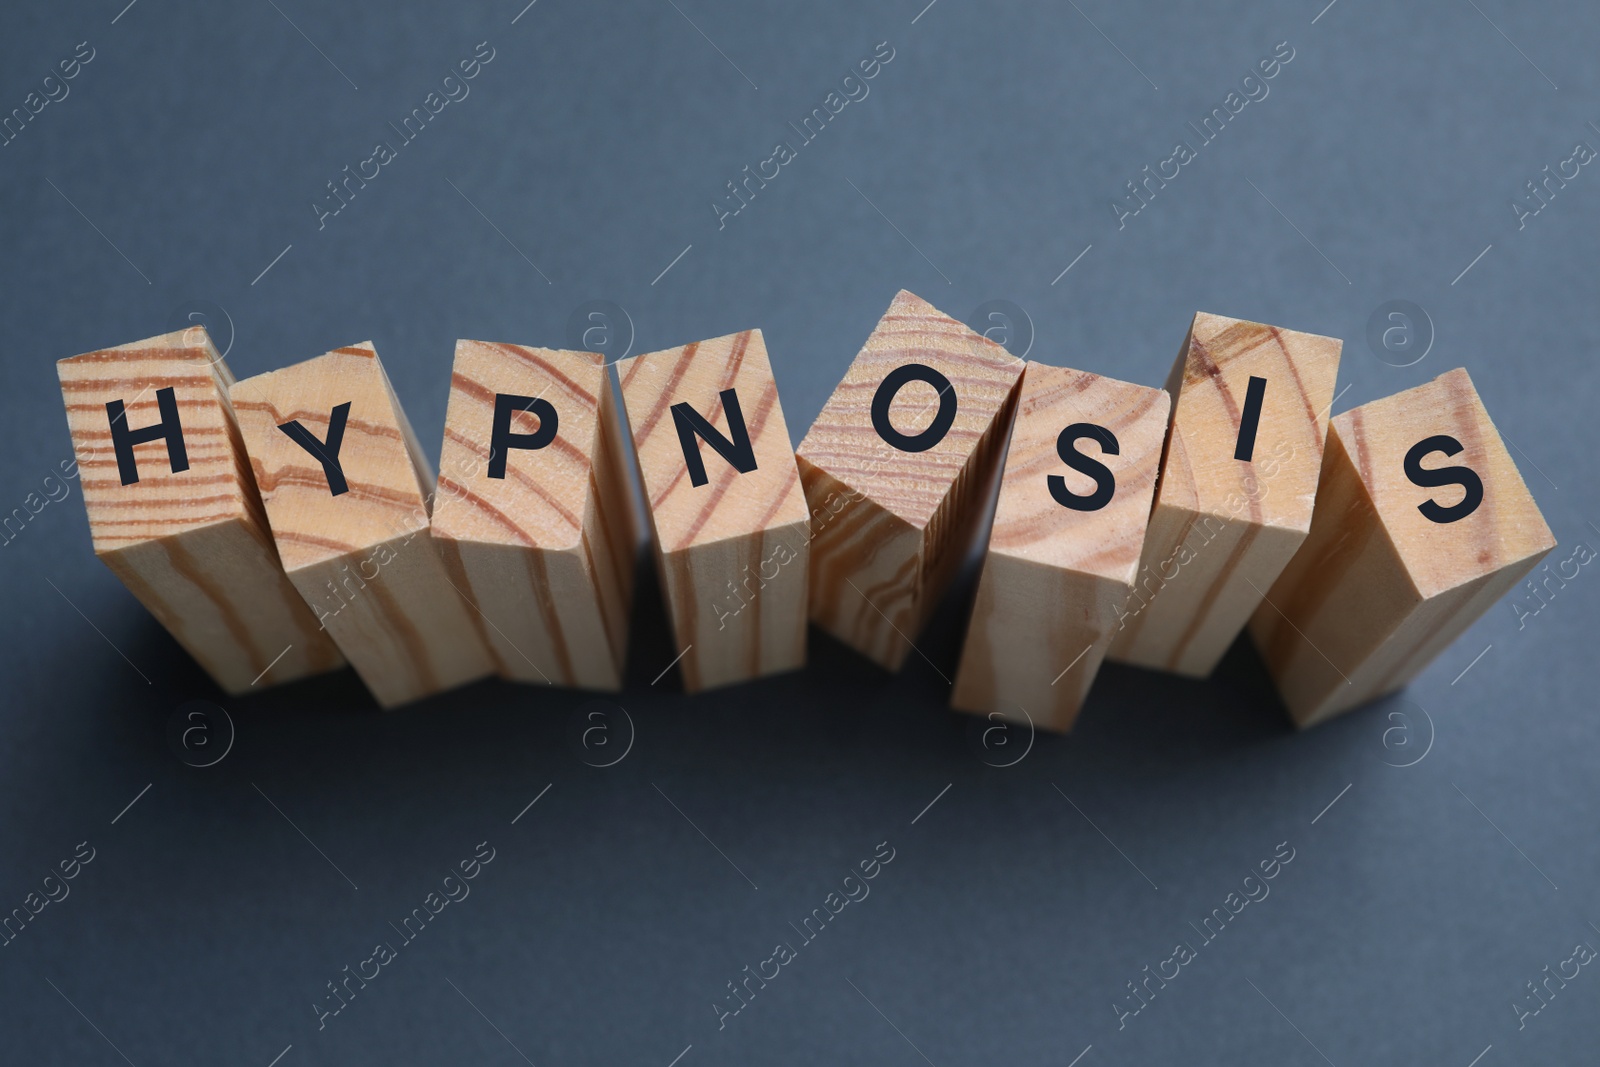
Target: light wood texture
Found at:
x=1223, y=528
x=192, y=545
x=732, y=551
x=1378, y=589
x=890, y=527
x=1055, y=575
x=545, y=551
x=363, y=559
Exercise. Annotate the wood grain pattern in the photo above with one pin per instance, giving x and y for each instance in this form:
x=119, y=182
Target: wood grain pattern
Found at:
x=193, y=545
x=1223, y=528
x=545, y=552
x=363, y=559
x=1054, y=576
x=890, y=527
x=732, y=552
x=1378, y=589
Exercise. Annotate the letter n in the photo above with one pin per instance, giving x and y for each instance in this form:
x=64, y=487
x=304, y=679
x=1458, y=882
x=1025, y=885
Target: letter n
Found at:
x=739, y=451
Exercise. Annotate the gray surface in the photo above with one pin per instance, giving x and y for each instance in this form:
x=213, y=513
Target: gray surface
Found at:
x=1008, y=923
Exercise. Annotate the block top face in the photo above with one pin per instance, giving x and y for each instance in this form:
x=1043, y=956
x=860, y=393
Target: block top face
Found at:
x=844, y=442
x=387, y=485
x=1211, y=393
x=1506, y=526
x=216, y=487
x=541, y=498
x=1030, y=523
x=730, y=503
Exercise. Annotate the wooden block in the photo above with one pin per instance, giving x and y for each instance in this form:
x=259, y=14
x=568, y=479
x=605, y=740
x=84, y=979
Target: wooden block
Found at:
x=347, y=490
x=531, y=516
x=1422, y=523
x=174, y=512
x=1068, y=528
x=895, y=469
x=730, y=521
x=1249, y=417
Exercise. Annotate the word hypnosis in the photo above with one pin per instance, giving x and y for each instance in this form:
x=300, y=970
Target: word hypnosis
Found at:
x=1255, y=88
x=455, y=90
x=855, y=90
x=855, y=891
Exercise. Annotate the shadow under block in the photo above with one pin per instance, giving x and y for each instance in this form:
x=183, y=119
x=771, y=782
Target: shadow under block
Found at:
x=730, y=523
x=1074, y=503
x=347, y=491
x=1224, y=527
x=174, y=513
x=895, y=469
x=531, y=516
x=1422, y=524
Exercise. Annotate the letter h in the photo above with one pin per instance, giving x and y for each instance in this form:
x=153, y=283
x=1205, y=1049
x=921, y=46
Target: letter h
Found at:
x=169, y=428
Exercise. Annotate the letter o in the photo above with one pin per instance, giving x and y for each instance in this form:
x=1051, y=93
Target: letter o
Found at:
x=890, y=387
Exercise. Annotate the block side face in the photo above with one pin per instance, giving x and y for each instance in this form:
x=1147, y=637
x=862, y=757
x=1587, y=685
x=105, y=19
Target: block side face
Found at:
x=911, y=485
x=1222, y=356
x=962, y=518
x=541, y=613
x=1030, y=523
x=729, y=504
x=311, y=524
x=1037, y=636
x=580, y=607
x=396, y=617
x=1345, y=594
x=220, y=593
x=624, y=485
x=421, y=466
x=543, y=497
x=1420, y=637
x=216, y=487
x=481, y=573
x=739, y=606
x=610, y=544
x=1507, y=526
x=1191, y=599
x=866, y=564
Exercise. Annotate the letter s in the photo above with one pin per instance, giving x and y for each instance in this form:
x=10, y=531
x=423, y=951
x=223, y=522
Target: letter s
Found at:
x=1427, y=478
x=1105, y=482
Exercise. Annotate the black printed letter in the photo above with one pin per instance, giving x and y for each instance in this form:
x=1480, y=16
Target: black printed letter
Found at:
x=1432, y=478
x=1104, y=481
x=889, y=388
x=501, y=439
x=326, y=452
x=739, y=451
x=123, y=439
x=1250, y=419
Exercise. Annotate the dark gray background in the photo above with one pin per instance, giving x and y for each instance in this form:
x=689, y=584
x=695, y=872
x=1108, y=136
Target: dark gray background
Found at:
x=1007, y=925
